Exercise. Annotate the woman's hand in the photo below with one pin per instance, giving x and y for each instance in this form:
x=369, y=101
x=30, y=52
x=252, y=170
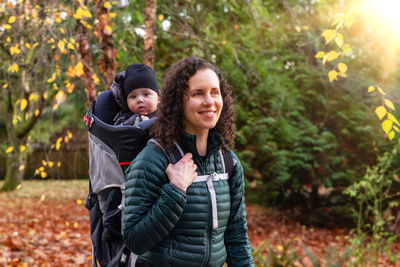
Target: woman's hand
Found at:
x=183, y=173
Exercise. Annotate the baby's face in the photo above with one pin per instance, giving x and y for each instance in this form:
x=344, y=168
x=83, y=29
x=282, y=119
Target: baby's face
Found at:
x=143, y=101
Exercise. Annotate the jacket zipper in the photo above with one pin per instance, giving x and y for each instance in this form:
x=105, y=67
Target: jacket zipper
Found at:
x=209, y=226
x=208, y=237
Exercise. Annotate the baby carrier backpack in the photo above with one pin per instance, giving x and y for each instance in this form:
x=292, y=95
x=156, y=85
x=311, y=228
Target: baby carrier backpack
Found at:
x=111, y=149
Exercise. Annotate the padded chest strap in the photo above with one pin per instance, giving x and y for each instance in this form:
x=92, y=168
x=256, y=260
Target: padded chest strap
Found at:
x=209, y=179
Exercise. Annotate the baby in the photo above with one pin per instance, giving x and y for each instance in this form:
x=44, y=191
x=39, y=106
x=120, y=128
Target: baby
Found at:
x=137, y=93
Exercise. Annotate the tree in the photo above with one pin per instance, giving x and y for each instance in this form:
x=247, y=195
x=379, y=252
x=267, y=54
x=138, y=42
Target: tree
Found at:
x=149, y=40
x=34, y=42
x=42, y=64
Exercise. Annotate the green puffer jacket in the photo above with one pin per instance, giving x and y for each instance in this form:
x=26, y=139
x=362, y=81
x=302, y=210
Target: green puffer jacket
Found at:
x=168, y=227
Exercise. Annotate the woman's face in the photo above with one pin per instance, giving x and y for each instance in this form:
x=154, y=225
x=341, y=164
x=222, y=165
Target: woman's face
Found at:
x=202, y=102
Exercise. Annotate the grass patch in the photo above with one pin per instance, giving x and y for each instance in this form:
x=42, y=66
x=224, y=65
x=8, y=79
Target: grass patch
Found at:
x=52, y=189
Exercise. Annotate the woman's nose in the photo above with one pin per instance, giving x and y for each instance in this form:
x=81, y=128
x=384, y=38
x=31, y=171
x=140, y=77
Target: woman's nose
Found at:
x=208, y=100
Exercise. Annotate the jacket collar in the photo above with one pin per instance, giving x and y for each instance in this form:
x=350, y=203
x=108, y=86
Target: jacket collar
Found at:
x=188, y=142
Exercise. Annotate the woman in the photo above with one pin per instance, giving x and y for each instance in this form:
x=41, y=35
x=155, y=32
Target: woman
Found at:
x=171, y=219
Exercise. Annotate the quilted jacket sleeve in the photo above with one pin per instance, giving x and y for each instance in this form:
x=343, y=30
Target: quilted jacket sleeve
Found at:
x=236, y=238
x=152, y=205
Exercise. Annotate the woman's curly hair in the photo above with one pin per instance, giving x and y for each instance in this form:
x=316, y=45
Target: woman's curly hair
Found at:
x=169, y=125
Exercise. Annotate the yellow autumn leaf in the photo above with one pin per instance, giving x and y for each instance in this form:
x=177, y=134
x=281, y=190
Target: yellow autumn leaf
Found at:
x=41, y=168
x=24, y=104
x=59, y=164
x=79, y=201
x=69, y=134
x=11, y=20
x=21, y=168
x=113, y=15
x=381, y=91
x=60, y=96
x=7, y=26
x=28, y=45
x=107, y=4
x=320, y=54
x=37, y=112
x=393, y=118
x=45, y=95
x=59, y=20
x=332, y=75
x=396, y=128
x=61, y=45
x=298, y=29
x=329, y=35
x=53, y=77
x=342, y=67
x=55, y=107
x=70, y=88
x=389, y=104
x=44, y=163
x=332, y=55
x=8, y=39
x=161, y=17
x=82, y=12
x=43, y=175
x=62, y=30
x=19, y=186
x=67, y=223
x=33, y=97
x=9, y=149
x=14, y=68
x=5, y=85
x=387, y=125
x=371, y=89
x=58, y=143
x=107, y=30
x=339, y=40
x=391, y=135
x=50, y=164
x=76, y=225
x=42, y=197
x=71, y=46
x=22, y=148
x=75, y=71
x=66, y=139
x=95, y=78
x=380, y=112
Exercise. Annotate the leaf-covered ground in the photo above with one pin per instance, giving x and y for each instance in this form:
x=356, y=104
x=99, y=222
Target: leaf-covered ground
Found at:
x=46, y=224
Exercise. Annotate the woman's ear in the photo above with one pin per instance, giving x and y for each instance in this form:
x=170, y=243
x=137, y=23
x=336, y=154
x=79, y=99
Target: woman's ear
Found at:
x=158, y=102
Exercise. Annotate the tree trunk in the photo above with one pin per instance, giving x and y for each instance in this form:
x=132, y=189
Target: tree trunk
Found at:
x=149, y=40
x=14, y=175
x=86, y=58
x=107, y=62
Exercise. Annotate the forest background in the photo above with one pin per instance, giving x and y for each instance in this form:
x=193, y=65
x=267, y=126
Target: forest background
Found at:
x=310, y=142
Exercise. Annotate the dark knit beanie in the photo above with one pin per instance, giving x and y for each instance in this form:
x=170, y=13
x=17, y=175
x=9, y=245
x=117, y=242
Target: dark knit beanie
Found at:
x=139, y=76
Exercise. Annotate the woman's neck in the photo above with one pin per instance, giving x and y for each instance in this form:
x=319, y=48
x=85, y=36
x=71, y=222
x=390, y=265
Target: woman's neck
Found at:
x=201, y=143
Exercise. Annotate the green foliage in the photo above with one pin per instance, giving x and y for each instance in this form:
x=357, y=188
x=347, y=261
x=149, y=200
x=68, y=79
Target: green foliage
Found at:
x=375, y=197
x=295, y=133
